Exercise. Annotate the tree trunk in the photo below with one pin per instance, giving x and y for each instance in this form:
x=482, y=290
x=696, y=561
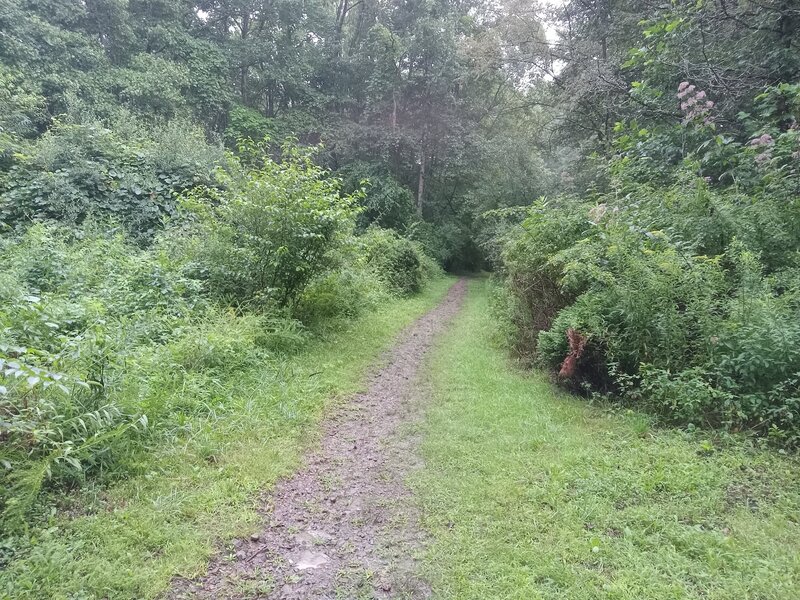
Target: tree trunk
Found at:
x=341, y=14
x=271, y=99
x=245, y=29
x=421, y=184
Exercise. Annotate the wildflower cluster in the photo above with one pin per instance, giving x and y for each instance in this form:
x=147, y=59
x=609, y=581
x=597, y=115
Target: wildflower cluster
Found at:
x=694, y=104
x=764, y=142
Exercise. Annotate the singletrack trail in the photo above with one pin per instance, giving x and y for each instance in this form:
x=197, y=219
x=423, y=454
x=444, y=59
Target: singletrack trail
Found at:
x=343, y=526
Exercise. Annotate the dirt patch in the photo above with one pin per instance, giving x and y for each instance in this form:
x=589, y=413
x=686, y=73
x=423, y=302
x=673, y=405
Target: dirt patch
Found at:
x=343, y=526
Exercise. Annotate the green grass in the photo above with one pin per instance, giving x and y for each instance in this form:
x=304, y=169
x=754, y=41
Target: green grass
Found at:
x=529, y=493
x=201, y=486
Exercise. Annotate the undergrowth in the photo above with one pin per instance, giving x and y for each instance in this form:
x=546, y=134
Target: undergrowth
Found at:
x=235, y=408
x=530, y=493
x=682, y=293
x=127, y=362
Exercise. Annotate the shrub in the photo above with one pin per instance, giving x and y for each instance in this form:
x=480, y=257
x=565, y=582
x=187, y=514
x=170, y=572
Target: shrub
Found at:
x=222, y=341
x=75, y=307
x=451, y=244
x=271, y=228
x=398, y=262
x=386, y=203
x=345, y=292
x=684, y=292
x=84, y=172
x=531, y=279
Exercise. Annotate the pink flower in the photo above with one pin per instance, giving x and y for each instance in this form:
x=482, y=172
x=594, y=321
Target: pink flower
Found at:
x=701, y=94
x=766, y=139
x=596, y=213
x=683, y=85
x=763, y=140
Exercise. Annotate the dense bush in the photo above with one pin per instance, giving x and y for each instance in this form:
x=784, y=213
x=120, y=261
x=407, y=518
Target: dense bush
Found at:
x=266, y=230
x=400, y=263
x=385, y=202
x=451, y=244
x=72, y=305
x=106, y=346
x=365, y=270
x=683, y=297
x=85, y=171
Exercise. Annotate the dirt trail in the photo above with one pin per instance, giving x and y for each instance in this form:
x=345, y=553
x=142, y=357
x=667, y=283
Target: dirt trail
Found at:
x=342, y=526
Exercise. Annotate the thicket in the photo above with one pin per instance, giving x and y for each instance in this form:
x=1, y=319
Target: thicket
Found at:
x=111, y=297
x=678, y=291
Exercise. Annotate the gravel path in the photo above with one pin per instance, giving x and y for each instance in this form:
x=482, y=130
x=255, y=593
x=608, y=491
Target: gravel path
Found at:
x=342, y=527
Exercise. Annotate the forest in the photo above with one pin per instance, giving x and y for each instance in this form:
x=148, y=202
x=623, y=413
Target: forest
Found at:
x=216, y=216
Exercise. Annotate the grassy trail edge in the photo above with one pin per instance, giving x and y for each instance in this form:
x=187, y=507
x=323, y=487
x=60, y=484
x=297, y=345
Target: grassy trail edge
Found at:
x=206, y=487
x=528, y=492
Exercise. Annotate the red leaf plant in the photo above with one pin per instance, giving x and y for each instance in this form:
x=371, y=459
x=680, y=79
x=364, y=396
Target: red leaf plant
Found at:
x=577, y=344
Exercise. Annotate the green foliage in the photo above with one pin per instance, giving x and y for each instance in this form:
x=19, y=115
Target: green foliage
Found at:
x=685, y=292
x=344, y=292
x=22, y=111
x=85, y=171
x=385, y=202
x=107, y=348
x=270, y=229
x=533, y=295
x=246, y=123
x=349, y=288
x=72, y=310
x=370, y=267
x=398, y=262
x=451, y=244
